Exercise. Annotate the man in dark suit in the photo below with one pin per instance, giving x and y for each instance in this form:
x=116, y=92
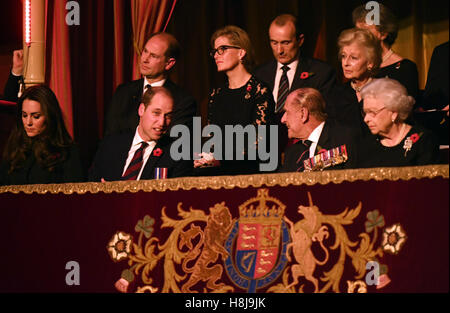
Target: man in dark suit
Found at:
x=306, y=121
x=290, y=70
x=158, y=57
x=137, y=154
x=286, y=39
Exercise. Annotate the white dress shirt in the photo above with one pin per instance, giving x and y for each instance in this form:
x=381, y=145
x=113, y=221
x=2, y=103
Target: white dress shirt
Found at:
x=137, y=140
x=290, y=75
x=314, y=138
x=159, y=83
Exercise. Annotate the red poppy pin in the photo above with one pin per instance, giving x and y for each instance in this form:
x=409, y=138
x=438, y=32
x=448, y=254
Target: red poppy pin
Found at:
x=409, y=141
x=414, y=137
x=157, y=152
x=305, y=75
x=249, y=88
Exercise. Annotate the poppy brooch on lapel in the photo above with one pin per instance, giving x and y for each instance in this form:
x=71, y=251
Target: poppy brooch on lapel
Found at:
x=305, y=75
x=157, y=152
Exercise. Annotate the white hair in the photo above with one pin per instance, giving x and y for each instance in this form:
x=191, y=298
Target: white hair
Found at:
x=393, y=95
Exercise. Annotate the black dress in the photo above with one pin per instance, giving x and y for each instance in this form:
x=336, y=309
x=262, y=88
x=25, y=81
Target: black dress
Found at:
x=68, y=171
x=343, y=106
x=419, y=147
x=405, y=72
x=251, y=104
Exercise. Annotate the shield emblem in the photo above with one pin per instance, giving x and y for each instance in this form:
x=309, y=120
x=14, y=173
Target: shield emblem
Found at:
x=257, y=243
x=257, y=249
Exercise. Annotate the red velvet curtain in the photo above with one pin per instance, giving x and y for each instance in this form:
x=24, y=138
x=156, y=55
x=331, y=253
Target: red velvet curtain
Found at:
x=60, y=79
x=118, y=75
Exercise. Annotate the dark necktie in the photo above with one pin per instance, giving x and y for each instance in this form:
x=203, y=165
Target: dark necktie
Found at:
x=135, y=165
x=304, y=156
x=147, y=87
x=283, y=89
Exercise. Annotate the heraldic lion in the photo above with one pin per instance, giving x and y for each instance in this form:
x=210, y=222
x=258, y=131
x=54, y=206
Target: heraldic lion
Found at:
x=212, y=239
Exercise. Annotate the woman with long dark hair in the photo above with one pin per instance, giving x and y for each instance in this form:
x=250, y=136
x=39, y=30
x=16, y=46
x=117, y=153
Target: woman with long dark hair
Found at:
x=39, y=149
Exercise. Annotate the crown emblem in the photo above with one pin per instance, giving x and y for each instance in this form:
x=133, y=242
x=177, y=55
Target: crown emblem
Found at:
x=263, y=208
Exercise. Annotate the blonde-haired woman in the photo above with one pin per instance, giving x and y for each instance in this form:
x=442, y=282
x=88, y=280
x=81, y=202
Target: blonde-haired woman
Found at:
x=360, y=57
x=243, y=100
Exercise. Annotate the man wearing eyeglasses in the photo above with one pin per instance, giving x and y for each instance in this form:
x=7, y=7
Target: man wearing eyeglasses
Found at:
x=158, y=57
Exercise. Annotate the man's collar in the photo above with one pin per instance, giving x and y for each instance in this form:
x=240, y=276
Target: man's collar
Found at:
x=159, y=83
x=138, y=139
x=315, y=134
x=292, y=65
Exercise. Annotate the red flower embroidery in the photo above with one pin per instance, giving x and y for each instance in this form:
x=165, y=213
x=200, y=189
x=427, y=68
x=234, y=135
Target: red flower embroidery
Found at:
x=157, y=152
x=249, y=88
x=414, y=137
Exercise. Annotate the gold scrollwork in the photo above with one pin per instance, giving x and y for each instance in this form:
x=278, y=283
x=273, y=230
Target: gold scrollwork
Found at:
x=238, y=181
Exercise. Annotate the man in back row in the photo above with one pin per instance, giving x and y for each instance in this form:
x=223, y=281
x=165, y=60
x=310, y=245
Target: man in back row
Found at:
x=290, y=67
x=158, y=57
x=290, y=70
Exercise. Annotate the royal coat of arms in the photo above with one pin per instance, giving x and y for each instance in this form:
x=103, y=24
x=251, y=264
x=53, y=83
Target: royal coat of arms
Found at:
x=260, y=245
x=261, y=249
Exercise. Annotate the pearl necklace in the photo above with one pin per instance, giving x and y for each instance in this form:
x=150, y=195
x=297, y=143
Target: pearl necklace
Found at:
x=399, y=136
x=387, y=55
x=358, y=88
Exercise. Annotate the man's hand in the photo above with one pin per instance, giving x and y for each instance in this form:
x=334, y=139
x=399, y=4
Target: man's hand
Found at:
x=17, y=68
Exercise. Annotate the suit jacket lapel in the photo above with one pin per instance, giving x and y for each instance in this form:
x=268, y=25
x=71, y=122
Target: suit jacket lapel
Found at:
x=324, y=138
x=301, y=67
x=123, y=147
x=138, y=90
x=272, y=72
x=148, y=172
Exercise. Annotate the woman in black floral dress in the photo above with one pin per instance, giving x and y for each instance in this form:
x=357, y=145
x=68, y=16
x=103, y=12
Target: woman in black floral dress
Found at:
x=242, y=102
x=387, y=106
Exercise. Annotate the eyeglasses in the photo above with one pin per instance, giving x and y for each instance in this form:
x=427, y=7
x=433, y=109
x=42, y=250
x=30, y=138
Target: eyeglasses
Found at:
x=220, y=50
x=371, y=113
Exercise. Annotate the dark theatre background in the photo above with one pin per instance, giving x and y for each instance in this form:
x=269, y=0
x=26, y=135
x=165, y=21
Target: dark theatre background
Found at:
x=93, y=60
